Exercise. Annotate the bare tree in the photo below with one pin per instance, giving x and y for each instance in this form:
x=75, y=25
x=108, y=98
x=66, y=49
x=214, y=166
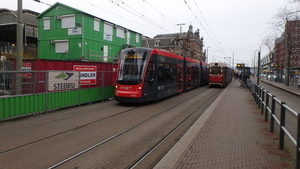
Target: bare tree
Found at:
x=269, y=41
x=291, y=11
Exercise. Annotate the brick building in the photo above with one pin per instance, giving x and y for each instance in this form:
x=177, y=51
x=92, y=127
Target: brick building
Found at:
x=287, y=53
x=279, y=54
x=187, y=44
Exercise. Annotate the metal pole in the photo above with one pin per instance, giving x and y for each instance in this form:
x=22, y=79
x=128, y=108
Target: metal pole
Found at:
x=267, y=105
x=282, y=124
x=19, y=59
x=259, y=96
x=3, y=77
x=298, y=144
x=262, y=101
x=258, y=68
x=272, y=114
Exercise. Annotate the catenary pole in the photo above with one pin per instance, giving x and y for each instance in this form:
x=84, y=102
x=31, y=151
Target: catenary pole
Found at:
x=19, y=59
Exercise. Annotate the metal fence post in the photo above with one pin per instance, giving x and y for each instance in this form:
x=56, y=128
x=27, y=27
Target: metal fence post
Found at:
x=262, y=101
x=46, y=76
x=298, y=144
x=282, y=124
x=102, y=84
x=256, y=93
x=267, y=105
x=272, y=114
x=79, y=91
x=259, y=96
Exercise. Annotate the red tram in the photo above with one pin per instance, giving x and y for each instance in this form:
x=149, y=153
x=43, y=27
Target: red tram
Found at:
x=146, y=74
x=220, y=74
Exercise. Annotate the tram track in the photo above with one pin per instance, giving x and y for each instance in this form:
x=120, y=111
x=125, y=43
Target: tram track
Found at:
x=59, y=133
x=76, y=145
x=75, y=113
x=147, y=153
x=142, y=158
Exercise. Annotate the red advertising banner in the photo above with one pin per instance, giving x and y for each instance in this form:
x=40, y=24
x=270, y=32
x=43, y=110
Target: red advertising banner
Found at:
x=88, y=74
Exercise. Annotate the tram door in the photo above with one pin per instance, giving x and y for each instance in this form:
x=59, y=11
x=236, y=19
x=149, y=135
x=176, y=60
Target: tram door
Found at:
x=189, y=77
x=179, y=78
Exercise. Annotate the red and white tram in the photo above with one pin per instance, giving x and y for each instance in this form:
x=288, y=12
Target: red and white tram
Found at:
x=219, y=74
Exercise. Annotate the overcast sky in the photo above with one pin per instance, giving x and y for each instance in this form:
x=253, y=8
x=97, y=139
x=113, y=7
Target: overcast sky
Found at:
x=230, y=28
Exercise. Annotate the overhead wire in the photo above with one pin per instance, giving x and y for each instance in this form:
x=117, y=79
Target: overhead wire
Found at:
x=138, y=14
x=133, y=21
x=219, y=48
x=159, y=12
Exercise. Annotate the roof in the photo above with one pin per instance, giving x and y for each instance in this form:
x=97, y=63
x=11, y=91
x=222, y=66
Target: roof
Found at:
x=79, y=11
x=8, y=17
x=168, y=36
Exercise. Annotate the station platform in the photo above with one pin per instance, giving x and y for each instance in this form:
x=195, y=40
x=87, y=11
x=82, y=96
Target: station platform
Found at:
x=231, y=134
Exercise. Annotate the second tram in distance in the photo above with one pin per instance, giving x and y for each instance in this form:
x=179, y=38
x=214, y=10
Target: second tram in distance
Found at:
x=220, y=74
x=146, y=74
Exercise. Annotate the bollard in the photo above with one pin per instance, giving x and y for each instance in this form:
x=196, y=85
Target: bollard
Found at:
x=282, y=124
x=272, y=114
x=267, y=105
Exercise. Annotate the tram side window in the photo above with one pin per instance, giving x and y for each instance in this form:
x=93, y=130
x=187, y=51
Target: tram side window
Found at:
x=168, y=73
x=150, y=73
x=160, y=73
x=173, y=67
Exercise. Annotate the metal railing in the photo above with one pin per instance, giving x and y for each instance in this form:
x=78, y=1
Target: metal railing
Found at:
x=269, y=105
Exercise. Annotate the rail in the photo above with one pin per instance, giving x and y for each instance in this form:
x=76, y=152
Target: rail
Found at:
x=267, y=104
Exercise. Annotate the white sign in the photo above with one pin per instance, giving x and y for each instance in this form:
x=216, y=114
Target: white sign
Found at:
x=88, y=74
x=61, y=80
x=74, y=31
x=26, y=66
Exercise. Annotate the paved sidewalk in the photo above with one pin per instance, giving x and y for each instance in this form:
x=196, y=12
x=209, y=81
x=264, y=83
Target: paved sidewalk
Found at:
x=291, y=89
x=231, y=134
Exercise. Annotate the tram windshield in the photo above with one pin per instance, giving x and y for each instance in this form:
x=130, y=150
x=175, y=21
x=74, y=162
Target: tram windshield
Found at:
x=132, y=66
x=215, y=70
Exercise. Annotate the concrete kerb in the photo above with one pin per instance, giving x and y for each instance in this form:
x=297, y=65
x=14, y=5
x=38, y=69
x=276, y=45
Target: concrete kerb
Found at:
x=170, y=159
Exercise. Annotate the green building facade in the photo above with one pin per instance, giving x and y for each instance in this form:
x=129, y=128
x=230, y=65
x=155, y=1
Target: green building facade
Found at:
x=66, y=33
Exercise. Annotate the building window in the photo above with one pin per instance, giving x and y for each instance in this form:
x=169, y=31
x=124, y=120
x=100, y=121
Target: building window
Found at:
x=137, y=38
x=120, y=33
x=105, y=53
x=108, y=32
x=46, y=23
x=128, y=37
x=61, y=46
x=157, y=43
x=67, y=21
x=96, y=24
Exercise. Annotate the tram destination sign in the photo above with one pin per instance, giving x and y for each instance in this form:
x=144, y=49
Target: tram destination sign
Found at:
x=63, y=80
